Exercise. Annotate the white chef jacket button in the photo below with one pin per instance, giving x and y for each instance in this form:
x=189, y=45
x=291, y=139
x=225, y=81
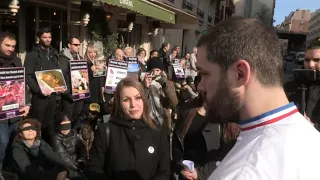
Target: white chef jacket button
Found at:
x=239, y=138
x=217, y=163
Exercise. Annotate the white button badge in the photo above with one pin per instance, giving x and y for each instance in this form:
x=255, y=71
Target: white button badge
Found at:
x=151, y=149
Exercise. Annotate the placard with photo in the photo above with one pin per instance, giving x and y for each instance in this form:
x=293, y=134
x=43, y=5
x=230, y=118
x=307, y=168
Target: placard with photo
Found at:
x=133, y=67
x=117, y=70
x=79, y=80
x=178, y=70
x=51, y=81
x=12, y=92
x=101, y=67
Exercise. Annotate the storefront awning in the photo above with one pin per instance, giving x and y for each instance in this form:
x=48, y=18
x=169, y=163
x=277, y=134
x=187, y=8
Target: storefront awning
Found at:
x=181, y=16
x=146, y=8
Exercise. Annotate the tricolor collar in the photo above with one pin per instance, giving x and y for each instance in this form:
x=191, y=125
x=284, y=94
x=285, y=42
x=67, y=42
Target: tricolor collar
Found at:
x=269, y=117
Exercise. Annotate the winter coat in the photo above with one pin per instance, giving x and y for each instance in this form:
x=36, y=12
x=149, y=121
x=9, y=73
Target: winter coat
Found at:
x=64, y=64
x=14, y=61
x=68, y=147
x=212, y=134
x=42, y=165
x=134, y=152
x=39, y=60
x=96, y=84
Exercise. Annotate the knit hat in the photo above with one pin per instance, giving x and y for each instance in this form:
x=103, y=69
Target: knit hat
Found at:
x=155, y=62
x=94, y=107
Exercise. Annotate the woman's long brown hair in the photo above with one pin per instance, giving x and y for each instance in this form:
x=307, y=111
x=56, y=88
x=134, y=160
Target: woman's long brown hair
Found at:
x=117, y=111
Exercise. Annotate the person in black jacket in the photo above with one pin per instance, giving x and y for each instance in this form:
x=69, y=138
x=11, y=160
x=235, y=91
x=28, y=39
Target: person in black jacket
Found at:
x=67, y=144
x=33, y=158
x=43, y=57
x=129, y=146
x=74, y=109
x=8, y=59
x=96, y=83
x=199, y=141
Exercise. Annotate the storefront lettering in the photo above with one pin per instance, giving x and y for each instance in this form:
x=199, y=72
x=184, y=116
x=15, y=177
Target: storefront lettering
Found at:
x=127, y=2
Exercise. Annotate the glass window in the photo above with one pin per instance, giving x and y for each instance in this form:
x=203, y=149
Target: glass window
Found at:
x=55, y=15
x=55, y=29
x=75, y=16
x=44, y=13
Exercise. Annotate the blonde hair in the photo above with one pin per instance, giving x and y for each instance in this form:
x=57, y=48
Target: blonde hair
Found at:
x=97, y=47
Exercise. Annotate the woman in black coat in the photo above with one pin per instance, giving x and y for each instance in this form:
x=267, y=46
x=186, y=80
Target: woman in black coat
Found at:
x=33, y=158
x=129, y=146
x=67, y=144
x=199, y=141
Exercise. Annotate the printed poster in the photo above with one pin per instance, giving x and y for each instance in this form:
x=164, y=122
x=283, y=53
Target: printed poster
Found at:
x=176, y=61
x=12, y=92
x=178, y=71
x=101, y=67
x=51, y=81
x=79, y=80
x=133, y=67
x=117, y=70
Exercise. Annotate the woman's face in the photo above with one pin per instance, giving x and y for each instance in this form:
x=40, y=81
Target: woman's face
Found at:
x=65, y=127
x=92, y=54
x=28, y=132
x=142, y=54
x=131, y=102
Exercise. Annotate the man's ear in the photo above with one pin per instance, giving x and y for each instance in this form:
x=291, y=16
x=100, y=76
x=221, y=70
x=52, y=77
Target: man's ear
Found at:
x=240, y=73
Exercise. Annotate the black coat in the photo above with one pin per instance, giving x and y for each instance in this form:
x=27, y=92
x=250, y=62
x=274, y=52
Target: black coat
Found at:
x=216, y=148
x=13, y=61
x=69, y=147
x=96, y=83
x=30, y=167
x=135, y=152
x=38, y=60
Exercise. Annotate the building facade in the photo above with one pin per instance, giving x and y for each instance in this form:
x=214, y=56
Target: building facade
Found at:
x=135, y=21
x=314, y=27
x=296, y=22
x=203, y=15
x=262, y=9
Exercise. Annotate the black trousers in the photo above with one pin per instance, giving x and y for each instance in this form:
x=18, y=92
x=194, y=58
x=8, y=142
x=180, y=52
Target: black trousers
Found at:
x=74, y=110
x=44, y=109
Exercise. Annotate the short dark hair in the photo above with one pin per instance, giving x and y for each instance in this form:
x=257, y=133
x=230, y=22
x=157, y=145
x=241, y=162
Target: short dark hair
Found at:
x=248, y=39
x=315, y=44
x=164, y=45
x=41, y=31
x=70, y=39
x=7, y=34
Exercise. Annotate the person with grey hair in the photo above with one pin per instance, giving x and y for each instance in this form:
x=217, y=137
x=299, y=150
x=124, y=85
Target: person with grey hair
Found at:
x=128, y=52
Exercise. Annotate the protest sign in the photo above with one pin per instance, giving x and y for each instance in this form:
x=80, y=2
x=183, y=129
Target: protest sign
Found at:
x=79, y=80
x=117, y=70
x=12, y=92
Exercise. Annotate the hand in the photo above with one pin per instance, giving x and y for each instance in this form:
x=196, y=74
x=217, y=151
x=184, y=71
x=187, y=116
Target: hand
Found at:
x=47, y=93
x=94, y=68
x=25, y=111
x=62, y=90
x=186, y=174
x=147, y=80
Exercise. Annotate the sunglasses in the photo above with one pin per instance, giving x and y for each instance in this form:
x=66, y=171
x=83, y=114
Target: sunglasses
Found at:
x=76, y=44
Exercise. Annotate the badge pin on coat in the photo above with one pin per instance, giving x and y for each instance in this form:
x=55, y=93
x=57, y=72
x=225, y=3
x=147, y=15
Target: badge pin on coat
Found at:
x=151, y=150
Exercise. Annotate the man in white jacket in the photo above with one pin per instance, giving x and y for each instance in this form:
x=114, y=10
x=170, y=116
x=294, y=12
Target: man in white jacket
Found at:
x=241, y=67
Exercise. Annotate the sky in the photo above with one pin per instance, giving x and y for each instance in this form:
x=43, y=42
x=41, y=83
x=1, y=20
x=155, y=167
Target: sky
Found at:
x=283, y=8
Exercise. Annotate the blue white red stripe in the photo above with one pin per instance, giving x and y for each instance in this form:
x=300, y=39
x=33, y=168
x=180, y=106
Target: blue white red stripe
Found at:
x=269, y=117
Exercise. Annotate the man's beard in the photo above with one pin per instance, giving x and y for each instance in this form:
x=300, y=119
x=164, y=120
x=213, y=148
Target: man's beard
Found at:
x=43, y=44
x=224, y=106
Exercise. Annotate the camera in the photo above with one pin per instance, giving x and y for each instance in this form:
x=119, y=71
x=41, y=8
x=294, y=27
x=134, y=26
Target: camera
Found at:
x=306, y=76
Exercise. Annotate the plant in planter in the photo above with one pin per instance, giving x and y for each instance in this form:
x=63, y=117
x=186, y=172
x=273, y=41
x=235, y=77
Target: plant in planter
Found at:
x=99, y=32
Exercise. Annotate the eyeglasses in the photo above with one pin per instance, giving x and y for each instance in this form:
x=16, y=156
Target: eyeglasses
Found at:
x=76, y=44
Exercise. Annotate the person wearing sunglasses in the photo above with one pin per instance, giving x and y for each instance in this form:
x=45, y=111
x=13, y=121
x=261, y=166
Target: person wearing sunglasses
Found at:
x=72, y=108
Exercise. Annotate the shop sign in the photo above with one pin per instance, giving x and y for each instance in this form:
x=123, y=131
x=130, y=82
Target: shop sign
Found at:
x=127, y=2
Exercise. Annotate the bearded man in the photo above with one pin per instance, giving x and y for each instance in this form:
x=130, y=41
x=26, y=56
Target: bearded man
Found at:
x=241, y=67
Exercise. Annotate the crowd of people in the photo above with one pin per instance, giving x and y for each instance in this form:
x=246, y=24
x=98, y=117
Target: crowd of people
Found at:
x=228, y=118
